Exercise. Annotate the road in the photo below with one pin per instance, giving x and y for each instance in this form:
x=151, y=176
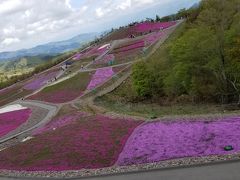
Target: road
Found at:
x=217, y=171
x=221, y=171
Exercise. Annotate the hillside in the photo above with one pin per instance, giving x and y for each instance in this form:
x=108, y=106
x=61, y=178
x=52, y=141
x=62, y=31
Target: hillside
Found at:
x=50, y=49
x=149, y=95
x=196, y=71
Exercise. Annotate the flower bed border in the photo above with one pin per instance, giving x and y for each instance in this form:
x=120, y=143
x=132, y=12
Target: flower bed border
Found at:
x=115, y=170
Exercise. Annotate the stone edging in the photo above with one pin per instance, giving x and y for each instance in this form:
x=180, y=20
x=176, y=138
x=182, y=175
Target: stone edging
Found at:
x=115, y=170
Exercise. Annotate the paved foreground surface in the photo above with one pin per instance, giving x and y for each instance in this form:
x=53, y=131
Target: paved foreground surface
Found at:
x=221, y=171
x=225, y=171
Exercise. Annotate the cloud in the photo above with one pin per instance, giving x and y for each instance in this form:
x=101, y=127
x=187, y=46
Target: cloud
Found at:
x=26, y=23
x=9, y=41
x=99, y=12
x=9, y=6
x=124, y=5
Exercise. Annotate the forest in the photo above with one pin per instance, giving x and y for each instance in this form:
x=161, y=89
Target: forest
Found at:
x=201, y=64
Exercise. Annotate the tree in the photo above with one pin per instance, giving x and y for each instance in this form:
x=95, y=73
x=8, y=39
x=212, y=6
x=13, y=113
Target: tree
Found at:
x=218, y=16
x=142, y=80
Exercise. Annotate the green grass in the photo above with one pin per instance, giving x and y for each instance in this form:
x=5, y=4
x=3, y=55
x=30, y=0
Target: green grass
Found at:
x=77, y=64
x=12, y=95
x=124, y=99
x=149, y=110
x=125, y=92
x=77, y=82
x=44, y=153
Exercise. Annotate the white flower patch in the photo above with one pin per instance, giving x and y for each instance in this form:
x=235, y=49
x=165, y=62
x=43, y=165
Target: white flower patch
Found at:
x=106, y=45
x=10, y=108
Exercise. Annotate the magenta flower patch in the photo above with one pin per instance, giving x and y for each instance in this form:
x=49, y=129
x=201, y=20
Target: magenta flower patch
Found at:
x=149, y=26
x=159, y=141
x=40, y=81
x=60, y=96
x=133, y=46
x=78, y=143
x=91, y=51
x=58, y=123
x=100, y=76
x=153, y=38
x=11, y=120
x=78, y=56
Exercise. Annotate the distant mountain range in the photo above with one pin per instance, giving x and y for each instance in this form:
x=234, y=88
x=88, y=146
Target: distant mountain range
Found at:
x=50, y=49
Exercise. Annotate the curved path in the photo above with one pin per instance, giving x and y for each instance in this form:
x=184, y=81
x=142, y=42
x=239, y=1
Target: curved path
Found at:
x=52, y=110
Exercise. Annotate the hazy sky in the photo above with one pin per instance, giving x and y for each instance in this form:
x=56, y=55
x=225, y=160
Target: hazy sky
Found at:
x=27, y=23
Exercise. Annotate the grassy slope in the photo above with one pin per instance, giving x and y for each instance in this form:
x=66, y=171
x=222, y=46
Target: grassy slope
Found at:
x=64, y=91
x=118, y=100
x=21, y=66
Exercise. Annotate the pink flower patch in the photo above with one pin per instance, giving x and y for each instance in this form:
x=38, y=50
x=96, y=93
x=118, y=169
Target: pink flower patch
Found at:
x=137, y=45
x=60, y=96
x=11, y=120
x=153, y=38
x=158, y=141
x=105, y=59
x=91, y=51
x=100, y=76
x=149, y=26
x=60, y=122
x=79, y=143
x=40, y=81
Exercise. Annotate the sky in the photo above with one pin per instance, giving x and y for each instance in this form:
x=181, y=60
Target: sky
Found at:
x=27, y=23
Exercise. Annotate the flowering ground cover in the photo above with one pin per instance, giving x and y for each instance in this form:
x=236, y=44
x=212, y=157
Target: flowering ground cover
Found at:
x=78, y=64
x=58, y=123
x=89, y=142
x=137, y=30
x=40, y=81
x=100, y=76
x=64, y=91
x=157, y=141
x=92, y=51
x=127, y=56
x=152, y=38
x=149, y=26
x=136, y=45
x=9, y=121
x=105, y=59
x=11, y=94
x=78, y=56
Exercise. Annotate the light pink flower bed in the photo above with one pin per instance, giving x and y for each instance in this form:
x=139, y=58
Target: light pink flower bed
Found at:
x=12, y=120
x=100, y=76
x=157, y=141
